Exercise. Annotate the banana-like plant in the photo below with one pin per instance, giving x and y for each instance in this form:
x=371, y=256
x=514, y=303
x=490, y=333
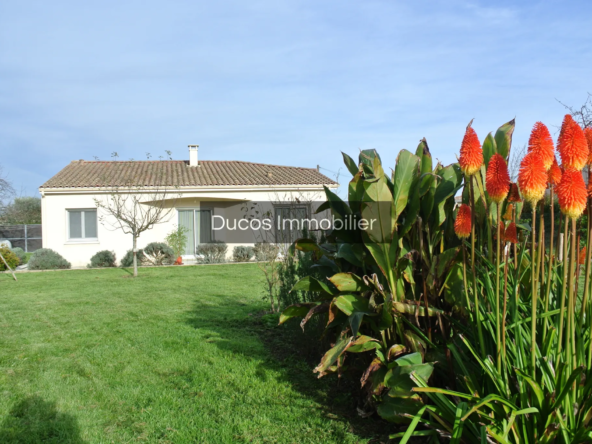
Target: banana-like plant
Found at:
x=390, y=265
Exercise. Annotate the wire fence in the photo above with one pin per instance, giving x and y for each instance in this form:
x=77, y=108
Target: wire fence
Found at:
x=27, y=237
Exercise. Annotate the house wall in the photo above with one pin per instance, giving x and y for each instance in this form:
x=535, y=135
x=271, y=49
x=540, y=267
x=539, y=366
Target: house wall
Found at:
x=229, y=204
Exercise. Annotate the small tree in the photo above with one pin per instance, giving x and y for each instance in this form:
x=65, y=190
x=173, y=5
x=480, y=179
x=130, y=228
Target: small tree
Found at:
x=133, y=207
x=177, y=240
x=6, y=190
x=23, y=210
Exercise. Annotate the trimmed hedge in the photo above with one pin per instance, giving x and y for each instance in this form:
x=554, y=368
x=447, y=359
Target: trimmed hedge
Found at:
x=103, y=259
x=47, y=259
x=211, y=253
x=158, y=253
x=242, y=253
x=128, y=259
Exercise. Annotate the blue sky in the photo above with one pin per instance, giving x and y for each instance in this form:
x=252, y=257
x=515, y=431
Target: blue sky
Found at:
x=283, y=82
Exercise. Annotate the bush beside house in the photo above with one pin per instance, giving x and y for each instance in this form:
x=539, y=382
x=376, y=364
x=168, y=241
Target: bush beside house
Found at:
x=103, y=259
x=212, y=253
x=47, y=259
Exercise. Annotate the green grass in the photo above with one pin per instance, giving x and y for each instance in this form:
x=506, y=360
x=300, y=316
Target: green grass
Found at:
x=178, y=355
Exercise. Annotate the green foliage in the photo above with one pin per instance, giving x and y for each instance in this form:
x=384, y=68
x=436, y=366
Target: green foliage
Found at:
x=23, y=210
x=20, y=253
x=241, y=253
x=128, y=259
x=384, y=279
x=211, y=253
x=10, y=257
x=103, y=259
x=47, y=259
x=177, y=240
x=158, y=253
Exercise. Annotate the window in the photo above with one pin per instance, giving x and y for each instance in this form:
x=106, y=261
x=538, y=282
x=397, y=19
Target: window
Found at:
x=198, y=224
x=291, y=223
x=82, y=224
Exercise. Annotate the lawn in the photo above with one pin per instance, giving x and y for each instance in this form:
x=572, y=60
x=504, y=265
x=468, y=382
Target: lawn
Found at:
x=177, y=355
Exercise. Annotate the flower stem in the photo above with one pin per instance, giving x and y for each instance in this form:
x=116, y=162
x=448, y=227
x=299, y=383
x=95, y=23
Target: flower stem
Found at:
x=475, y=295
x=497, y=296
x=533, y=277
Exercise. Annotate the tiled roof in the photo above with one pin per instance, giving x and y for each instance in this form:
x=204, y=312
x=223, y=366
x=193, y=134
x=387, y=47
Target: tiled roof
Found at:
x=178, y=173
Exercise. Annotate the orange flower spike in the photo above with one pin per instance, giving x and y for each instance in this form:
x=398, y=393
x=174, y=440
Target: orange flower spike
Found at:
x=572, y=145
x=462, y=223
x=514, y=193
x=511, y=234
x=532, y=178
x=541, y=143
x=509, y=211
x=471, y=154
x=497, y=179
x=582, y=256
x=588, y=134
x=572, y=194
x=554, y=173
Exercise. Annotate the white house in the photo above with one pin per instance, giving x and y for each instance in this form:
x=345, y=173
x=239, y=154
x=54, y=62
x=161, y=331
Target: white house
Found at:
x=201, y=196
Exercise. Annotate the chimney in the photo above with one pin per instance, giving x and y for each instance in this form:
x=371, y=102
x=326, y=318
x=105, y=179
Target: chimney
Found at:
x=193, y=155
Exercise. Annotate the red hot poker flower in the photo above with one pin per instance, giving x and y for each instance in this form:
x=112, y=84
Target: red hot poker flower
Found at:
x=511, y=234
x=462, y=223
x=497, y=179
x=471, y=154
x=540, y=142
x=514, y=193
x=572, y=145
x=554, y=173
x=572, y=194
x=532, y=178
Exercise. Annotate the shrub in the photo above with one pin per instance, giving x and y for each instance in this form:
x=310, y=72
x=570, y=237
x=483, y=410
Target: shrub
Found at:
x=10, y=257
x=128, y=259
x=103, y=259
x=212, y=253
x=242, y=253
x=20, y=254
x=158, y=253
x=47, y=259
x=177, y=240
x=264, y=251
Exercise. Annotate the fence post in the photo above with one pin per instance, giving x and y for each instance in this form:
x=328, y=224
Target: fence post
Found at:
x=26, y=240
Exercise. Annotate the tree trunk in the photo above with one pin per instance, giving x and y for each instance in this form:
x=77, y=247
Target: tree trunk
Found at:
x=135, y=256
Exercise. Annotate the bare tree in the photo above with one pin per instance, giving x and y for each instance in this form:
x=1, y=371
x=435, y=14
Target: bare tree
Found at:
x=583, y=114
x=131, y=206
x=6, y=190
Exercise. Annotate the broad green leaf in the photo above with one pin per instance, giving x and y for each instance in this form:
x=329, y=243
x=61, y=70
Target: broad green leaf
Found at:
x=378, y=211
x=489, y=148
x=410, y=359
x=449, y=184
x=503, y=138
x=332, y=355
x=355, y=320
x=367, y=157
x=406, y=170
x=349, y=253
x=355, y=192
x=348, y=282
x=309, y=283
x=350, y=303
x=363, y=344
x=350, y=164
x=395, y=409
x=296, y=311
x=339, y=207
